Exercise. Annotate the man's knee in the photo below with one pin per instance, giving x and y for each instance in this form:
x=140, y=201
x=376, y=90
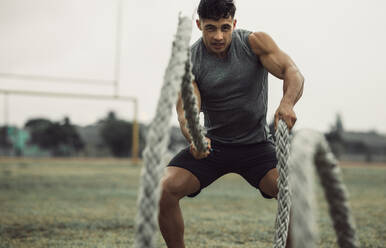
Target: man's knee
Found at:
x=272, y=192
x=171, y=189
x=179, y=182
x=268, y=183
x=176, y=184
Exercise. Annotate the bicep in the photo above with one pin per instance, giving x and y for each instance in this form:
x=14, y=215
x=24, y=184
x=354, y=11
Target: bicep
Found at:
x=272, y=58
x=277, y=63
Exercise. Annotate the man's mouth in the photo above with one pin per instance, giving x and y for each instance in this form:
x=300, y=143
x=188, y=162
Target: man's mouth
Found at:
x=218, y=45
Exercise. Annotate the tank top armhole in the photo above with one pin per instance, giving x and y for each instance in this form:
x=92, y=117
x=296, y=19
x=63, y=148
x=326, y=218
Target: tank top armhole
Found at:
x=196, y=62
x=196, y=76
x=244, y=36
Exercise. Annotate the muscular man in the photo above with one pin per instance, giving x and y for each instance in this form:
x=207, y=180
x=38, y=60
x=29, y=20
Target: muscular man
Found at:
x=231, y=70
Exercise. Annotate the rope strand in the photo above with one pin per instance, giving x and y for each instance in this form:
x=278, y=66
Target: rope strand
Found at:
x=284, y=201
x=157, y=139
x=191, y=110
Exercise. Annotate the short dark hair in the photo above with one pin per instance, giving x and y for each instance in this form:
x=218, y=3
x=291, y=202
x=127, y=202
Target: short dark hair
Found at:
x=216, y=9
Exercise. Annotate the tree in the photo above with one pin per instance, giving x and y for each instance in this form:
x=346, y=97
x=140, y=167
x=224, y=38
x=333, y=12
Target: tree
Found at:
x=117, y=135
x=61, y=138
x=334, y=137
x=71, y=136
x=4, y=140
x=39, y=132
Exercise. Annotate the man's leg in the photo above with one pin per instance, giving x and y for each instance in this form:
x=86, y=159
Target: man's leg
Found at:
x=176, y=183
x=268, y=184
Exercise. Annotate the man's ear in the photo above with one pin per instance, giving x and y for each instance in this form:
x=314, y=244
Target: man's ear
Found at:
x=198, y=22
x=234, y=23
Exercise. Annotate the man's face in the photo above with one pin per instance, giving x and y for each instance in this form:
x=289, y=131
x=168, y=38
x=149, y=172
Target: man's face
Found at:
x=217, y=35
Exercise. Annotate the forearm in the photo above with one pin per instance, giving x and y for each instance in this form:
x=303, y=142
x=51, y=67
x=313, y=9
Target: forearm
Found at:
x=181, y=112
x=292, y=86
x=184, y=129
x=197, y=154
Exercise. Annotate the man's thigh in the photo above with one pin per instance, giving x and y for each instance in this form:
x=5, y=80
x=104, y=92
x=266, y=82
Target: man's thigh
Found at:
x=268, y=184
x=205, y=170
x=259, y=168
x=180, y=181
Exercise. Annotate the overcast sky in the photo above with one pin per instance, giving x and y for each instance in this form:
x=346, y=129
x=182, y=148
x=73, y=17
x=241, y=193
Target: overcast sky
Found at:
x=338, y=45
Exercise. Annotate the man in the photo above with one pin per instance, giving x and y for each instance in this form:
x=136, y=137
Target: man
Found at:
x=231, y=69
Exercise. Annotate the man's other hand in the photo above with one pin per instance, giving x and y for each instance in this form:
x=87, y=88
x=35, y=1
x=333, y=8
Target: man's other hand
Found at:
x=286, y=113
x=200, y=155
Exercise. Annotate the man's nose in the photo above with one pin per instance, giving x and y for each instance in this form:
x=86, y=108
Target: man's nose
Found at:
x=219, y=36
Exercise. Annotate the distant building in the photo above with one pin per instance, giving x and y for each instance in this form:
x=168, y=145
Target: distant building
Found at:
x=94, y=145
x=361, y=146
x=356, y=146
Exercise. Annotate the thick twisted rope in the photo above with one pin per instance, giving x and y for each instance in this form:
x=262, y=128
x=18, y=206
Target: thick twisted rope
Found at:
x=191, y=110
x=309, y=148
x=303, y=223
x=157, y=139
x=337, y=197
x=284, y=202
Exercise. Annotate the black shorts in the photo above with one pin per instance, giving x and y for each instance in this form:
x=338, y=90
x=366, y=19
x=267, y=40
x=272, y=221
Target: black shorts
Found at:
x=251, y=162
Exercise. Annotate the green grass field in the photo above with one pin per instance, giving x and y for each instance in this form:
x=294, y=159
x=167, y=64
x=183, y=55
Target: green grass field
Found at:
x=92, y=203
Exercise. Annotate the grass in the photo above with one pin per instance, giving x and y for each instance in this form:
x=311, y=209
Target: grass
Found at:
x=92, y=203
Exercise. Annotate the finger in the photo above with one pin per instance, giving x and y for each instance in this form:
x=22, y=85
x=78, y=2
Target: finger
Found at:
x=205, y=154
x=276, y=120
x=197, y=156
x=288, y=121
x=195, y=153
x=294, y=119
x=192, y=150
x=201, y=156
x=209, y=143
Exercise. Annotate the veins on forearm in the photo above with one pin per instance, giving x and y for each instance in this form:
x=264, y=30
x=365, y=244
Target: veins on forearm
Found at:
x=293, y=87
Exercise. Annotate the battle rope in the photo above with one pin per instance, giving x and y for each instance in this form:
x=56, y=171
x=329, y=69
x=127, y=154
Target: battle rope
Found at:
x=190, y=108
x=283, y=198
x=308, y=148
x=157, y=139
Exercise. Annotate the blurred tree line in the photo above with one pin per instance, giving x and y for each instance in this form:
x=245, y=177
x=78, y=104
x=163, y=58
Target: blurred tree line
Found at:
x=59, y=137
x=112, y=136
x=62, y=138
x=117, y=134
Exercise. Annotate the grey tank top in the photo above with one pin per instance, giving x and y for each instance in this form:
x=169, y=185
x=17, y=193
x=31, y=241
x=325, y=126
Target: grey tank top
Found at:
x=233, y=92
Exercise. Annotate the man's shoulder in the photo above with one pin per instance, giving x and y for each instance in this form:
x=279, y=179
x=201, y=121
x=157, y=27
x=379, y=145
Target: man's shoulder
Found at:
x=196, y=57
x=241, y=31
x=196, y=45
x=196, y=51
x=242, y=35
